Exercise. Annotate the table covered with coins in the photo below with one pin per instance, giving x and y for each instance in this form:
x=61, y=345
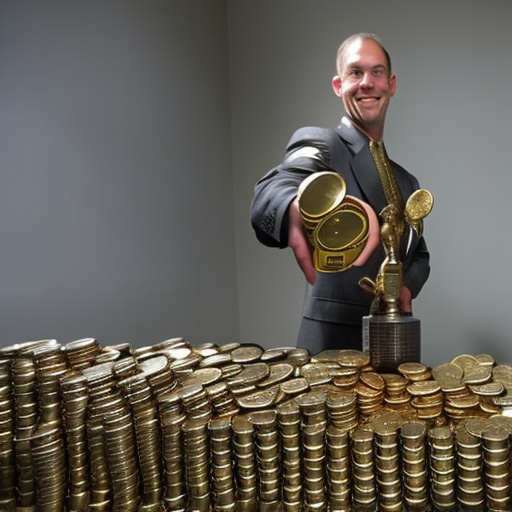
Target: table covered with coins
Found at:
x=86, y=426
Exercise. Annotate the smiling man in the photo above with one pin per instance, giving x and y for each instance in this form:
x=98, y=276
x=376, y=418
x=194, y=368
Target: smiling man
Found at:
x=335, y=303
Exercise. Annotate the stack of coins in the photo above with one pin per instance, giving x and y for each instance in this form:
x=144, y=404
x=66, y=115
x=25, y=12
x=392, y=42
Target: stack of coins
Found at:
x=289, y=420
x=488, y=392
x=75, y=399
x=7, y=456
x=266, y=439
x=196, y=448
x=100, y=487
x=338, y=468
x=82, y=353
x=414, y=372
x=229, y=369
x=387, y=466
x=346, y=378
x=502, y=373
x=496, y=444
x=50, y=365
x=297, y=357
x=100, y=383
x=363, y=470
x=172, y=419
x=396, y=396
x=370, y=393
x=342, y=409
x=313, y=457
x=26, y=418
x=313, y=407
x=459, y=401
x=125, y=367
x=222, y=464
x=157, y=371
x=122, y=456
x=470, y=485
x=245, y=464
x=414, y=465
x=428, y=399
x=49, y=459
x=182, y=361
x=143, y=406
x=442, y=467
x=196, y=402
x=222, y=400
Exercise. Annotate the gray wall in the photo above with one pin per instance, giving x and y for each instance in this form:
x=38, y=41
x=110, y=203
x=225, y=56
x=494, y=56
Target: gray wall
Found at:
x=449, y=124
x=116, y=194
x=131, y=135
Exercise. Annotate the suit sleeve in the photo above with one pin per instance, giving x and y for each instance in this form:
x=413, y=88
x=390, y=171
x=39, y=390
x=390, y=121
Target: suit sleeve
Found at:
x=417, y=268
x=417, y=261
x=307, y=151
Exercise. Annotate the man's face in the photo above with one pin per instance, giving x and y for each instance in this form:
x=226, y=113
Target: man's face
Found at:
x=365, y=85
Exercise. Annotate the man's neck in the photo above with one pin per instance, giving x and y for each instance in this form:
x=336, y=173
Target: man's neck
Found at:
x=375, y=135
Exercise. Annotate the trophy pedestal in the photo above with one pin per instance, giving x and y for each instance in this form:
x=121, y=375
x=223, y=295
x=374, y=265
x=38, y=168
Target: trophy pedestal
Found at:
x=391, y=341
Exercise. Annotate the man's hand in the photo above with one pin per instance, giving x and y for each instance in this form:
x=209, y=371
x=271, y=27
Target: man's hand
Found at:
x=302, y=250
x=299, y=243
x=373, y=233
x=405, y=300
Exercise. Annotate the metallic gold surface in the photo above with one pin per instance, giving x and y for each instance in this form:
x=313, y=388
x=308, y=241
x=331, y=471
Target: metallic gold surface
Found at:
x=337, y=225
x=133, y=435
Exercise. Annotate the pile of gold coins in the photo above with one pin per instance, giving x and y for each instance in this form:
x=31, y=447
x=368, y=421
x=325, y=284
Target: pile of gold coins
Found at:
x=238, y=428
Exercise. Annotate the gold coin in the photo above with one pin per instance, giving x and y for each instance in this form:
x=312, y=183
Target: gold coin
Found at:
x=465, y=361
x=246, y=354
x=372, y=380
x=353, y=358
x=278, y=372
x=419, y=205
x=448, y=370
x=259, y=399
x=422, y=388
x=294, y=386
x=315, y=373
x=488, y=389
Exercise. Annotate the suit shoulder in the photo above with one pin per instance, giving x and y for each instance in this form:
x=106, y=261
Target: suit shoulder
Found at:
x=313, y=135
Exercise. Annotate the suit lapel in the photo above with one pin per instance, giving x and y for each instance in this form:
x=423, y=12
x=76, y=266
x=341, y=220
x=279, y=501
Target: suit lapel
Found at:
x=363, y=166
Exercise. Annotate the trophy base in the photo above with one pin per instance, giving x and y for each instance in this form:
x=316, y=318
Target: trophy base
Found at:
x=391, y=340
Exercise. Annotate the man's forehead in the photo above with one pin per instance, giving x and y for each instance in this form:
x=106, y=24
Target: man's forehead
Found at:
x=364, y=50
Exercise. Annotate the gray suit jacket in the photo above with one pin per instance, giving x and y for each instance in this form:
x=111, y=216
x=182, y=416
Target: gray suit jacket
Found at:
x=335, y=298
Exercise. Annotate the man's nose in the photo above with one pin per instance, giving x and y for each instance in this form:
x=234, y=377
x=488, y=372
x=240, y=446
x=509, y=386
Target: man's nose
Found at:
x=366, y=80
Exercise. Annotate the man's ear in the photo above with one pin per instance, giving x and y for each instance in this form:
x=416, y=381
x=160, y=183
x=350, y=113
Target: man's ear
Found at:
x=336, y=85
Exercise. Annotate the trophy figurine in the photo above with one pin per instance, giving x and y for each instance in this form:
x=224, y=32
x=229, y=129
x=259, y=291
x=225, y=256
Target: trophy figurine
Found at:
x=391, y=336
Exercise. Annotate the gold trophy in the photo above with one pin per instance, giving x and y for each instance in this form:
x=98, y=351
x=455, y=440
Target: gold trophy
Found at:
x=338, y=229
x=391, y=336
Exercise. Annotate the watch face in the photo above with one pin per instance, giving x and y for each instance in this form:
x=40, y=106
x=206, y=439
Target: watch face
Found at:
x=321, y=193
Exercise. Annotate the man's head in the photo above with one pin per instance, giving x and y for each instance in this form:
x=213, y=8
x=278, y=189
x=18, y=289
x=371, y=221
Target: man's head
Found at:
x=365, y=82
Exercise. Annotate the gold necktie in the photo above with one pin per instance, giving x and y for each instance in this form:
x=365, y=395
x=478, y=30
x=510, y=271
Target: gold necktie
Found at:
x=386, y=175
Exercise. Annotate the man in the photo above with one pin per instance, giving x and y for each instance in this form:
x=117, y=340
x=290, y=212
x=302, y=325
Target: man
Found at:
x=335, y=302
